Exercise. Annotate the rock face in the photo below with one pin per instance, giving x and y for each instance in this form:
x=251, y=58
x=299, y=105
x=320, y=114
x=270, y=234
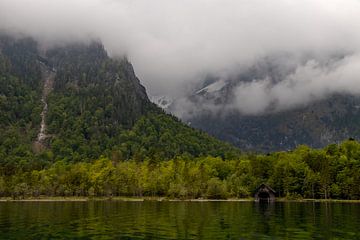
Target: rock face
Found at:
x=324, y=122
x=210, y=108
x=48, y=76
x=162, y=101
x=85, y=70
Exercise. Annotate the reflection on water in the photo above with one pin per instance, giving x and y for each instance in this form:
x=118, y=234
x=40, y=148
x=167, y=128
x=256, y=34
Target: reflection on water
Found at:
x=178, y=220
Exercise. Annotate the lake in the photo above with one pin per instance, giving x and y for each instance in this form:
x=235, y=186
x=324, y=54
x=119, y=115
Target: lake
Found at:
x=178, y=220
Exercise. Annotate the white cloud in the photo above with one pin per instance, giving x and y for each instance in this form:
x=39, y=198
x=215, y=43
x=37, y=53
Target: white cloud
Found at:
x=309, y=82
x=173, y=43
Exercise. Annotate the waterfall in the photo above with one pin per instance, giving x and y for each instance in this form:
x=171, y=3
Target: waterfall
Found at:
x=48, y=76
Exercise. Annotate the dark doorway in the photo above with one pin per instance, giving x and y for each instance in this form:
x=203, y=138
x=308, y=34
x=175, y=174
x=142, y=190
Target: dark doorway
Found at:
x=264, y=197
x=264, y=193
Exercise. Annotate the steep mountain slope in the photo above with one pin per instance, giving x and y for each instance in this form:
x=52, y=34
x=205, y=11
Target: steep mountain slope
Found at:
x=20, y=100
x=323, y=121
x=92, y=105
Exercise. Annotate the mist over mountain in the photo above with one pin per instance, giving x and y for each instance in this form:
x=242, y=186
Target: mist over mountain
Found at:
x=273, y=84
x=272, y=105
x=218, y=59
x=176, y=44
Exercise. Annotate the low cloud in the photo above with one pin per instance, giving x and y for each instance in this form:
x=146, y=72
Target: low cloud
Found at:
x=174, y=44
x=310, y=82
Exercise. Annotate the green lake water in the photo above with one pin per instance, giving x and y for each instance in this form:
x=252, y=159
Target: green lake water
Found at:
x=178, y=220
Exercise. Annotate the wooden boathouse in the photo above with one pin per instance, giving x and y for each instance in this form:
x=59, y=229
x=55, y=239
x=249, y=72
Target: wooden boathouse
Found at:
x=264, y=193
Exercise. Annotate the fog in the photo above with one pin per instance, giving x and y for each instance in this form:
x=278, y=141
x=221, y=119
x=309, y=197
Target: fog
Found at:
x=309, y=82
x=173, y=44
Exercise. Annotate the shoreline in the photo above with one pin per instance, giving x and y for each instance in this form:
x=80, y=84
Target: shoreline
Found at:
x=163, y=199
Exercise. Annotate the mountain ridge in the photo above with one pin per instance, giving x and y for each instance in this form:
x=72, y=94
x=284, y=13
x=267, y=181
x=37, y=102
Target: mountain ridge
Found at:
x=330, y=119
x=97, y=106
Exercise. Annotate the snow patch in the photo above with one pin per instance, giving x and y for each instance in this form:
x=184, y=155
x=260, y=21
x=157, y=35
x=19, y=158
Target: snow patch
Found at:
x=214, y=87
x=162, y=101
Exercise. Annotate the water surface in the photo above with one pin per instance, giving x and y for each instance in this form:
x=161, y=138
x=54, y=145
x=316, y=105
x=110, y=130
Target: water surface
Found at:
x=178, y=220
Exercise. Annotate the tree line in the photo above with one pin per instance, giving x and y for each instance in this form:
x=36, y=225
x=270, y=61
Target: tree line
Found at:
x=332, y=172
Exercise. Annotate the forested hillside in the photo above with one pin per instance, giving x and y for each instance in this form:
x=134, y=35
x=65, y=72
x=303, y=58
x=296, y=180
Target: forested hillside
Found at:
x=20, y=102
x=97, y=107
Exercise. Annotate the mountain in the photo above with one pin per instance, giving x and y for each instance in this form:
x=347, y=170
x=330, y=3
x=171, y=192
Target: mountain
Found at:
x=322, y=121
x=75, y=103
x=162, y=101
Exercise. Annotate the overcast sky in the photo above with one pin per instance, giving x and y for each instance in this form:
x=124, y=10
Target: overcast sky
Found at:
x=172, y=43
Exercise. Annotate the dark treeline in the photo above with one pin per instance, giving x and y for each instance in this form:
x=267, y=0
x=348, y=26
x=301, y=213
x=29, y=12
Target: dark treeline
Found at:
x=332, y=172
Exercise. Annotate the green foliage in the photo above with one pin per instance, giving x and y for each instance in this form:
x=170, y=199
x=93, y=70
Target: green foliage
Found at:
x=203, y=177
x=160, y=137
x=20, y=104
x=98, y=107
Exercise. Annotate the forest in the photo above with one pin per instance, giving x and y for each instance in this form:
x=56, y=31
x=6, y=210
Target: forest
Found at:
x=329, y=173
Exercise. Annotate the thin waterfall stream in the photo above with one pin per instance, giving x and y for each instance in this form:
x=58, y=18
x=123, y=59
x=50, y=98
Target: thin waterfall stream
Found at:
x=48, y=76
